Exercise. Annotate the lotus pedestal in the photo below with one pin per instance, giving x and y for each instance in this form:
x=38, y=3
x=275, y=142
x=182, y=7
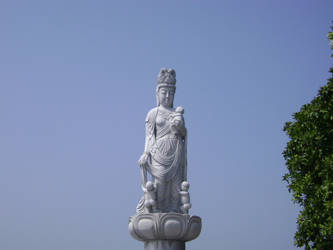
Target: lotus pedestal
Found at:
x=164, y=231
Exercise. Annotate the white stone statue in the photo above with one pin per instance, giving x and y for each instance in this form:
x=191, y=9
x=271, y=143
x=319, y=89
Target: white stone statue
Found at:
x=164, y=156
x=162, y=221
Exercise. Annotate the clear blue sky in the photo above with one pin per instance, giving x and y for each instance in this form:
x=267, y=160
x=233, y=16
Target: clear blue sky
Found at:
x=78, y=77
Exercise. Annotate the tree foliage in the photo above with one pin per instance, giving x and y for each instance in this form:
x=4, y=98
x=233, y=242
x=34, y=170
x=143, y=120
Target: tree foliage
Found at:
x=309, y=160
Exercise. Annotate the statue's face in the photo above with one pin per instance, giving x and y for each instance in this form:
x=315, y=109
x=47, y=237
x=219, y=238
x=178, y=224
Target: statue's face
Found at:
x=165, y=96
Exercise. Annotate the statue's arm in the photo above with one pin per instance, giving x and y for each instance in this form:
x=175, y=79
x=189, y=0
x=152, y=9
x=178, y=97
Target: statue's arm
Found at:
x=150, y=126
x=149, y=138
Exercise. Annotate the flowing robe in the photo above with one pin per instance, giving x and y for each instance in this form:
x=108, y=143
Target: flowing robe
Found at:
x=166, y=162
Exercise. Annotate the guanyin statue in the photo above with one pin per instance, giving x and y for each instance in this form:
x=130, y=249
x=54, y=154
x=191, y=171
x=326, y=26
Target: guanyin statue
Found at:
x=162, y=221
x=164, y=156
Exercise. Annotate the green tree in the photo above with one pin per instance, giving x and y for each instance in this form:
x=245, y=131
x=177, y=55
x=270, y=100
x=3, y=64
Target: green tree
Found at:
x=309, y=160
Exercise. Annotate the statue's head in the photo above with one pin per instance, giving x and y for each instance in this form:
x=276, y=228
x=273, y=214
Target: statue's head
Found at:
x=179, y=110
x=149, y=186
x=166, y=87
x=185, y=186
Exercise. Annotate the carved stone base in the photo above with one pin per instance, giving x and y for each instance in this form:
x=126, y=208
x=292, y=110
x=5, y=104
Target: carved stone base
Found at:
x=165, y=245
x=164, y=231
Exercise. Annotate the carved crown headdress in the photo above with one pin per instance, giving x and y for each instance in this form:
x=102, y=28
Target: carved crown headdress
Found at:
x=166, y=78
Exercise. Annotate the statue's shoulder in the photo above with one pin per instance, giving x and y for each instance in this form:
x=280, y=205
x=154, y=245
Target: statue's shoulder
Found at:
x=151, y=115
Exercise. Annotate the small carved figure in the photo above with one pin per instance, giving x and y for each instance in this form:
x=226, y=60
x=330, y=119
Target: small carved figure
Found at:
x=185, y=197
x=177, y=121
x=150, y=197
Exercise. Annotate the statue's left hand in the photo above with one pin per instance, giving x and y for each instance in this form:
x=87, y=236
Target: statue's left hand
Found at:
x=143, y=159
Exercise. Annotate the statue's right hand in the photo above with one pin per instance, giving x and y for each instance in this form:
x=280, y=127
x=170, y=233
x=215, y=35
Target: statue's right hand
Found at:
x=143, y=159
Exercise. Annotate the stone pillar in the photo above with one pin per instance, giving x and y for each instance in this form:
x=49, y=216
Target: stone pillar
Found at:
x=164, y=245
